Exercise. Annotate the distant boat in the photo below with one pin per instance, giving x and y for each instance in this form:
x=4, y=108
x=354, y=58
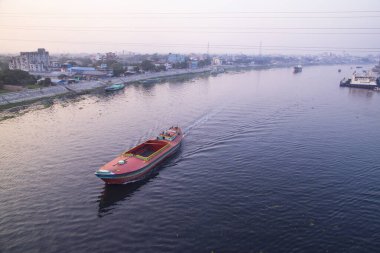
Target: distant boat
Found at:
x=297, y=69
x=114, y=87
x=150, y=81
x=137, y=163
x=363, y=79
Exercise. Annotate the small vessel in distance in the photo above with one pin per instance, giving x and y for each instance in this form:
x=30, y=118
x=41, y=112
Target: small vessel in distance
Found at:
x=297, y=69
x=113, y=87
x=362, y=79
x=150, y=81
x=137, y=163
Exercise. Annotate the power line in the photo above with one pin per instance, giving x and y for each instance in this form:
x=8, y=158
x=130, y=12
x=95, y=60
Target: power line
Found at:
x=200, y=46
x=178, y=12
x=199, y=31
x=195, y=27
x=188, y=17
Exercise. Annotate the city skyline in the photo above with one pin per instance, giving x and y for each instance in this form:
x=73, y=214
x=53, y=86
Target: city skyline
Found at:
x=249, y=27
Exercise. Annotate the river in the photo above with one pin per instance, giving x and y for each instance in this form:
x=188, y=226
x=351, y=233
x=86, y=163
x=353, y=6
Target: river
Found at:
x=272, y=162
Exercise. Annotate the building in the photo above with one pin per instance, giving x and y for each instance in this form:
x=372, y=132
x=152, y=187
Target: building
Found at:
x=38, y=61
x=216, y=61
x=176, y=58
x=80, y=70
x=193, y=64
x=87, y=73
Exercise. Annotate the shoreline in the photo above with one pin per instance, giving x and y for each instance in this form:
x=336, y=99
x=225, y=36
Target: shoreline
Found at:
x=29, y=96
x=16, y=98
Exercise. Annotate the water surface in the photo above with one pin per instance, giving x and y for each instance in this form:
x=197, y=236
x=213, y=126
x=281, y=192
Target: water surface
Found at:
x=272, y=162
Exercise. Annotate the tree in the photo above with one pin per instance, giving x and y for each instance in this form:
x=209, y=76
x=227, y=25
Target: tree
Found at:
x=161, y=68
x=73, y=63
x=117, y=68
x=109, y=62
x=147, y=66
x=87, y=62
x=4, y=65
x=180, y=65
x=47, y=81
x=16, y=77
x=205, y=62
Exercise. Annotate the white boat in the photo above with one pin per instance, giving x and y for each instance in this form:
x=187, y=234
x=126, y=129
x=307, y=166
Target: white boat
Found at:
x=363, y=79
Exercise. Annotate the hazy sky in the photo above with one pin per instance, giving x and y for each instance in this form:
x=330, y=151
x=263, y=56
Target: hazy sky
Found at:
x=228, y=26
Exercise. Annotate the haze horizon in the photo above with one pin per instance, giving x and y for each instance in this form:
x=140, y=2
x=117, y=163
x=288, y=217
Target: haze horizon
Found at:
x=222, y=27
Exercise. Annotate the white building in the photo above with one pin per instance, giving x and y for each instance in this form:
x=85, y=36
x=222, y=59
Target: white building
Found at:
x=216, y=61
x=38, y=61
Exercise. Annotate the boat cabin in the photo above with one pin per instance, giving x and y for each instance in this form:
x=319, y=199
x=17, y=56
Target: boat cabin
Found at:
x=169, y=134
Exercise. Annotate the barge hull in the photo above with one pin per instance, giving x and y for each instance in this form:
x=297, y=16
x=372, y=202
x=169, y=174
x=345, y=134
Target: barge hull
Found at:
x=142, y=174
x=360, y=86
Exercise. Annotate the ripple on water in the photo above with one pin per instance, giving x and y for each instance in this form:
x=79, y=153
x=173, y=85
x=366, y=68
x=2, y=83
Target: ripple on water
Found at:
x=271, y=162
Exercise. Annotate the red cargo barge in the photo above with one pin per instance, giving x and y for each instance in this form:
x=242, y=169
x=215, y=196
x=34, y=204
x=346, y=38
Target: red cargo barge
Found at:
x=137, y=163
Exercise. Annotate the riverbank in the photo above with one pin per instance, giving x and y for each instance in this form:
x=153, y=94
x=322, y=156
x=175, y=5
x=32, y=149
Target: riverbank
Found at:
x=15, y=98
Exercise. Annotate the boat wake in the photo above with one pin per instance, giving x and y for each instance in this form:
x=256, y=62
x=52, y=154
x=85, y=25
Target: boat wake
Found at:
x=200, y=121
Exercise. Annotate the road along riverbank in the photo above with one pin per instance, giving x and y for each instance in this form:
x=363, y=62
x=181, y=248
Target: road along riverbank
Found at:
x=35, y=94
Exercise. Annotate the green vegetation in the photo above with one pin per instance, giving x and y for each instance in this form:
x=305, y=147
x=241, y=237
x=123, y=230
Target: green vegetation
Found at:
x=33, y=86
x=7, y=117
x=181, y=65
x=4, y=61
x=46, y=82
x=205, y=62
x=117, y=68
x=16, y=77
x=148, y=66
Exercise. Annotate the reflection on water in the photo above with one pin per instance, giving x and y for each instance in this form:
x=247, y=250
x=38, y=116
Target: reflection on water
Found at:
x=112, y=194
x=360, y=93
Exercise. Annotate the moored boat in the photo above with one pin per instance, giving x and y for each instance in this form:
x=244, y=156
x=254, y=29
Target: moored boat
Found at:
x=297, y=69
x=113, y=87
x=363, y=79
x=138, y=163
x=150, y=81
